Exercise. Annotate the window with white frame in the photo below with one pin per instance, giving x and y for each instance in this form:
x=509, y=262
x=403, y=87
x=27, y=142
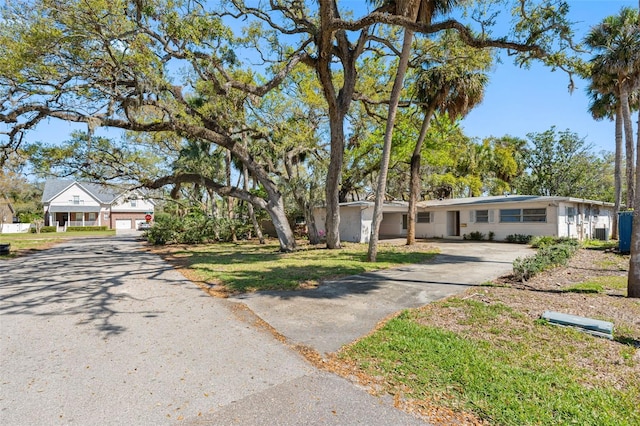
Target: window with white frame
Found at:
x=134, y=202
x=523, y=215
x=76, y=199
x=423, y=217
x=571, y=214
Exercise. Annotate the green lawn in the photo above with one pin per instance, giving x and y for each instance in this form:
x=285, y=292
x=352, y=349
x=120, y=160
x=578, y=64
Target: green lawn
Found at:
x=520, y=372
x=27, y=241
x=246, y=267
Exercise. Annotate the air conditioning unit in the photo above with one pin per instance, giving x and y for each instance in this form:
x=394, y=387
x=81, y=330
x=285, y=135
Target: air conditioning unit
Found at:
x=602, y=234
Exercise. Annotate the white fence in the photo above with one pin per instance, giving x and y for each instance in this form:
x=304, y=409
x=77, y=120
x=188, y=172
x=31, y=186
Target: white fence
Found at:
x=14, y=228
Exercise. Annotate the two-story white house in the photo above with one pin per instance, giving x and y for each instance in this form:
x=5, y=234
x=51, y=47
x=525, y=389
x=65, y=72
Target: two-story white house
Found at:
x=71, y=203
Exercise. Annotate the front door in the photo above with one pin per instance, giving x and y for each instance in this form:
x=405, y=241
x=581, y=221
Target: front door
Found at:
x=453, y=223
x=62, y=218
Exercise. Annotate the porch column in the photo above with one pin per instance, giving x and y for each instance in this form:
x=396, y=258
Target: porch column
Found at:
x=83, y=213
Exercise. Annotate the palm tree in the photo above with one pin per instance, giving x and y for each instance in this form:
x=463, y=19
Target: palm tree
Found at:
x=605, y=104
x=617, y=43
x=443, y=90
x=417, y=11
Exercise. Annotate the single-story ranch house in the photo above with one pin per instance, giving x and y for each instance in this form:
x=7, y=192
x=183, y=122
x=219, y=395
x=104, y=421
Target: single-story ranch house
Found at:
x=71, y=203
x=458, y=217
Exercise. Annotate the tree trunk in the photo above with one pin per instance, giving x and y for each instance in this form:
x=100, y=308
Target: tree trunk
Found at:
x=386, y=148
x=628, y=136
x=232, y=226
x=281, y=225
x=332, y=190
x=617, y=171
x=312, y=229
x=415, y=179
x=252, y=214
x=338, y=102
x=633, y=280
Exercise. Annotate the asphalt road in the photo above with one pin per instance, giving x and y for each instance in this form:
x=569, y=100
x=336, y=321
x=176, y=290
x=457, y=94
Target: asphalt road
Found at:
x=97, y=332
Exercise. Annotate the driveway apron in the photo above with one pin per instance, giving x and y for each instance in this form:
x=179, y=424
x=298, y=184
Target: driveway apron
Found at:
x=97, y=332
x=340, y=311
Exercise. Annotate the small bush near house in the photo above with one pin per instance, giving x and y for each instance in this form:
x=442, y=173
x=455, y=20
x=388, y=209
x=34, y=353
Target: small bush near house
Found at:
x=537, y=241
x=44, y=229
x=492, y=236
x=518, y=238
x=474, y=236
x=86, y=228
x=549, y=255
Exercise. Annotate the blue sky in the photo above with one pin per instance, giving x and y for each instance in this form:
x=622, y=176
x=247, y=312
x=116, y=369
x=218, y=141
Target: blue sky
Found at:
x=520, y=101
x=517, y=101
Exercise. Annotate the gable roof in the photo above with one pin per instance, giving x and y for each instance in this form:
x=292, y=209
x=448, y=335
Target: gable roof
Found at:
x=104, y=194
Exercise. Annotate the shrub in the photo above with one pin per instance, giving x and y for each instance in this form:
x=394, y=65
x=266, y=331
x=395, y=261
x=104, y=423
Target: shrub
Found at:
x=474, y=236
x=86, y=228
x=492, y=236
x=555, y=253
x=518, y=238
x=44, y=229
x=195, y=228
x=163, y=230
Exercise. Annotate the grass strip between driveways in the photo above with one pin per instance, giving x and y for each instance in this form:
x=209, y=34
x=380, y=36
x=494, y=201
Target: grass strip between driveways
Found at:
x=29, y=241
x=242, y=267
x=528, y=374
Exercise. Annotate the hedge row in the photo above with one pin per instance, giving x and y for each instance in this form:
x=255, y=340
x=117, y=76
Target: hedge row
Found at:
x=86, y=228
x=551, y=252
x=46, y=229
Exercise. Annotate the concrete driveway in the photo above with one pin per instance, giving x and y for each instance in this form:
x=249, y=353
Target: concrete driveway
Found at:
x=97, y=332
x=340, y=311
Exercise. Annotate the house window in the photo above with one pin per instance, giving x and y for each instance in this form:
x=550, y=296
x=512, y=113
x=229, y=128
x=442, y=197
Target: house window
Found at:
x=510, y=215
x=134, y=203
x=534, y=215
x=76, y=199
x=571, y=214
x=423, y=217
x=91, y=216
x=523, y=215
x=106, y=216
x=404, y=221
x=482, y=216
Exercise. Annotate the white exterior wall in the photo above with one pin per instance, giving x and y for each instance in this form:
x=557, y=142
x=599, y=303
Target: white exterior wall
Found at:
x=440, y=227
x=429, y=230
x=124, y=205
x=65, y=198
x=391, y=225
x=350, y=225
x=366, y=216
x=588, y=218
x=503, y=229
